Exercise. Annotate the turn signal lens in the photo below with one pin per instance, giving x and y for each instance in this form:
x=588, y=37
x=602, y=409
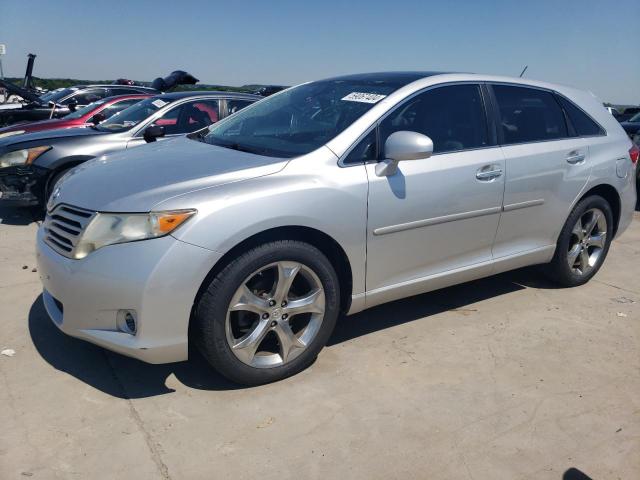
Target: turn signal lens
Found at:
x=168, y=221
x=34, y=153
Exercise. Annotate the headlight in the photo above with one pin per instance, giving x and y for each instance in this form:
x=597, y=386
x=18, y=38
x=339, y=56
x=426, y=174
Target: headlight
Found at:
x=21, y=157
x=10, y=134
x=110, y=228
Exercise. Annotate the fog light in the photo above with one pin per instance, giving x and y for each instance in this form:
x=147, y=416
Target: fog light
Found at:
x=127, y=321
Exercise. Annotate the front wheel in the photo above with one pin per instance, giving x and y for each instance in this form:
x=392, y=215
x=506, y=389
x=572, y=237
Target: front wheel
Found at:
x=268, y=313
x=583, y=243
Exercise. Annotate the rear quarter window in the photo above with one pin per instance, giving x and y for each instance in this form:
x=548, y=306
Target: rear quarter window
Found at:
x=582, y=123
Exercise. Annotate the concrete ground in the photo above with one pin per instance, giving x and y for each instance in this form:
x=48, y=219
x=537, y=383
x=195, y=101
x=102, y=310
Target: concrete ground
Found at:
x=503, y=378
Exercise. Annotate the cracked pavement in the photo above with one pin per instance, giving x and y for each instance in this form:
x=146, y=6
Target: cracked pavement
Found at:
x=506, y=377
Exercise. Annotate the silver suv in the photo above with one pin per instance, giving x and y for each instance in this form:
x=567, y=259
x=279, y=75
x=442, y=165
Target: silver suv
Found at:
x=332, y=196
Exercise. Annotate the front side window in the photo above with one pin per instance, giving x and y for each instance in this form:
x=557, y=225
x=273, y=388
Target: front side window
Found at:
x=529, y=115
x=301, y=119
x=189, y=117
x=583, y=125
x=452, y=116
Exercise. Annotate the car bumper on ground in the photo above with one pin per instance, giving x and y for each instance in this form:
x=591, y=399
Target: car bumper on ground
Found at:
x=156, y=279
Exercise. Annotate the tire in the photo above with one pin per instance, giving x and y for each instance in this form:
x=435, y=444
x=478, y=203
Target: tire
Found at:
x=226, y=317
x=569, y=242
x=51, y=185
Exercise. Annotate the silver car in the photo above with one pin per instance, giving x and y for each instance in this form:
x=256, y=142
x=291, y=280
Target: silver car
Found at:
x=332, y=196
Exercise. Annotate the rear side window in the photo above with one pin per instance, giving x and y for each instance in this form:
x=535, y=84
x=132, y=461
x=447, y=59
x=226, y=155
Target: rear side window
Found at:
x=582, y=123
x=453, y=117
x=529, y=115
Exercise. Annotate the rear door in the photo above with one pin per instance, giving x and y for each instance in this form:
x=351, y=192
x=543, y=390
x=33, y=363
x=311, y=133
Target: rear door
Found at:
x=546, y=168
x=438, y=214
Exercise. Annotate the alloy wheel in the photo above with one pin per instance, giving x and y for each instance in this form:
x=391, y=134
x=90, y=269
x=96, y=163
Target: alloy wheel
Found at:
x=588, y=240
x=275, y=314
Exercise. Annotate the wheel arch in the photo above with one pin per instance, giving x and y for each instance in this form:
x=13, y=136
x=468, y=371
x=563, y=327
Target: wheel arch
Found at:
x=611, y=195
x=322, y=241
x=61, y=165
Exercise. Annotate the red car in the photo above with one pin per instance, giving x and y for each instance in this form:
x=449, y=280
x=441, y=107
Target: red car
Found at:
x=92, y=114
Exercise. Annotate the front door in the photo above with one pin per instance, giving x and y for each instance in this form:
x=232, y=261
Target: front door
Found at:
x=435, y=218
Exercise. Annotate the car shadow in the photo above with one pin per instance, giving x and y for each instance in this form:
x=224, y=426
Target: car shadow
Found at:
x=128, y=378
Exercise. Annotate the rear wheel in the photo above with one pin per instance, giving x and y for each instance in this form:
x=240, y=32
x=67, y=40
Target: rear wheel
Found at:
x=583, y=243
x=268, y=313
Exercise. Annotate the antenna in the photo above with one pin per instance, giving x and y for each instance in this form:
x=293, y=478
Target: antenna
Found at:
x=524, y=70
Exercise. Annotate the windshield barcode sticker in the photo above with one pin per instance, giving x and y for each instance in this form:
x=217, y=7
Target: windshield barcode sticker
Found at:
x=363, y=97
x=159, y=103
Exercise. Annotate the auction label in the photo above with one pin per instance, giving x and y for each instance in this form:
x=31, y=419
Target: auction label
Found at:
x=363, y=97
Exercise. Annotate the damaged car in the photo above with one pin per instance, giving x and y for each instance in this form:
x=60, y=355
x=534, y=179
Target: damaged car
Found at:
x=31, y=164
x=62, y=101
x=92, y=114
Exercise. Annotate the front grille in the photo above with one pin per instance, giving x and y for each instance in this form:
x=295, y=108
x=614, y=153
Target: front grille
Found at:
x=63, y=227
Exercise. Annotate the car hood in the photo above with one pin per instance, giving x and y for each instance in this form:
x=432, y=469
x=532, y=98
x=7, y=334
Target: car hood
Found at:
x=135, y=180
x=41, y=125
x=42, y=136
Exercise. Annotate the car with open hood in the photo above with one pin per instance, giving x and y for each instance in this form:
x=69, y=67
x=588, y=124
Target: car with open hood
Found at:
x=92, y=114
x=248, y=240
x=60, y=102
x=32, y=163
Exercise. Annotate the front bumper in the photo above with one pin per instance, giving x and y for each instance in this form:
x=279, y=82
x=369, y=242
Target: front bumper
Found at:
x=22, y=186
x=158, y=278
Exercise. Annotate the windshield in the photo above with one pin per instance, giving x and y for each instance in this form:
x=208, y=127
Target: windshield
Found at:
x=81, y=112
x=130, y=117
x=635, y=118
x=57, y=95
x=301, y=119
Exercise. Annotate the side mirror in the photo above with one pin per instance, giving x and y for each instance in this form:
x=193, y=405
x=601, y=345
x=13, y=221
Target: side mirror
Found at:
x=153, y=132
x=401, y=146
x=97, y=118
x=73, y=104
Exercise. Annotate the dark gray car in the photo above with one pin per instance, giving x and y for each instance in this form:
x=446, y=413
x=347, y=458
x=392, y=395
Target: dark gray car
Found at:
x=31, y=164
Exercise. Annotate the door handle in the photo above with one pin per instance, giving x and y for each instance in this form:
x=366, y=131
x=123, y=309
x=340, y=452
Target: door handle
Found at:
x=485, y=175
x=575, y=157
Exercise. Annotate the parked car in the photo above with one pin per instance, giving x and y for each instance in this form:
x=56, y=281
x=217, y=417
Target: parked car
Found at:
x=60, y=102
x=32, y=163
x=632, y=127
x=92, y=114
x=332, y=196
x=627, y=114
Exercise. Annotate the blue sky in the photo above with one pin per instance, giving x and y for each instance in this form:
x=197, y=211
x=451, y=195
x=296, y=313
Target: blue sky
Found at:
x=589, y=44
